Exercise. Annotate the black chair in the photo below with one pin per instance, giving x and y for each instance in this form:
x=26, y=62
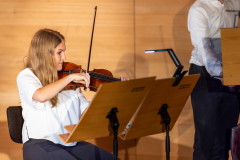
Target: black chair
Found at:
x=235, y=143
x=15, y=123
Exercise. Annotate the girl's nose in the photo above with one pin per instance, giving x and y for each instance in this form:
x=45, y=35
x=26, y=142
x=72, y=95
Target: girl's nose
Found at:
x=64, y=56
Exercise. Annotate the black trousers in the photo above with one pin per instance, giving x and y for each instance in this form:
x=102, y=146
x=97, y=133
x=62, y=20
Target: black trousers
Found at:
x=39, y=149
x=215, y=111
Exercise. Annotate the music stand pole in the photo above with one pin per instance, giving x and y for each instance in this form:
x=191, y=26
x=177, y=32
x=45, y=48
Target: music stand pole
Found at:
x=166, y=119
x=112, y=115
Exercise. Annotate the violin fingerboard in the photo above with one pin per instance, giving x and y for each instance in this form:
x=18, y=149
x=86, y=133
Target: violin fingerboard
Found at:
x=103, y=77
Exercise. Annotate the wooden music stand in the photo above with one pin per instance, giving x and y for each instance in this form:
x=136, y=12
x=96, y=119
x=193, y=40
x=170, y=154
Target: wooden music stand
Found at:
x=230, y=41
x=125, y=96
x=147, y=120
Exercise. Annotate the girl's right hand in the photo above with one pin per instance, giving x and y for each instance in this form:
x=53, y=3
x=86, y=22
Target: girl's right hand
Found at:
x=83, y=78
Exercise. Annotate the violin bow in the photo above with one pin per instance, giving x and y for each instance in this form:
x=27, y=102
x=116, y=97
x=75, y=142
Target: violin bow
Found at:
x=89, y=55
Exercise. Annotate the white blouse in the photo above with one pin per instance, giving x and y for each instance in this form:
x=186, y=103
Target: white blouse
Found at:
x=41, y=121
x=205, y=19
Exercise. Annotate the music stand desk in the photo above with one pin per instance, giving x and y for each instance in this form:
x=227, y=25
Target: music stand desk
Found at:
x=126, y=96
x=230, y=42
x=146, y=120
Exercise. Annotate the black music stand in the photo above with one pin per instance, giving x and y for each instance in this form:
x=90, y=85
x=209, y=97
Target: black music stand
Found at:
x=164, y=99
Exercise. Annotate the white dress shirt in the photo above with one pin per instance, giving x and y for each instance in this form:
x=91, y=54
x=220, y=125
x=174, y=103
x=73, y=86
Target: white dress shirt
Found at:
x=205, y=19
x=41, y=121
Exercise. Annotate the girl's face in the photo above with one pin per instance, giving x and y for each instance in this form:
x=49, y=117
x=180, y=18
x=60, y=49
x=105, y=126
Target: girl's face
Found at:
x=59, y=54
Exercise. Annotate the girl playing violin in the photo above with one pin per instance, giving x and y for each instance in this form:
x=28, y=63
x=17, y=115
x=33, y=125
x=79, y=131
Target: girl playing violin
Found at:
x=46, y=110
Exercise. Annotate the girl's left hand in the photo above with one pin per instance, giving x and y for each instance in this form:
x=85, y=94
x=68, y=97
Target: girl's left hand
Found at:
x=123, y=78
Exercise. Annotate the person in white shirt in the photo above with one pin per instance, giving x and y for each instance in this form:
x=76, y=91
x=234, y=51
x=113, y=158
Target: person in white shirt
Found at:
x=47, y=108
x=215, y=106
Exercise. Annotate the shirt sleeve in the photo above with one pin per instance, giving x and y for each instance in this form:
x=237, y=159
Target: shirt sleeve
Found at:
x=199, y=32
x=84, y=103
x=27, y=84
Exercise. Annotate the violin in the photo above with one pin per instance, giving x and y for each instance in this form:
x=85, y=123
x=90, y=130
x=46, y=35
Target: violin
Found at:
x=97, y=76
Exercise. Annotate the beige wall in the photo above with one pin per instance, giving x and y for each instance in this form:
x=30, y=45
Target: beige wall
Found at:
x=123, y=30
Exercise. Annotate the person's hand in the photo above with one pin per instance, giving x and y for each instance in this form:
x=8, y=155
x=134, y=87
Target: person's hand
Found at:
x=221, y=77
x=82, y=78
x=231, y=87
x=221, y=74
x=124, y=79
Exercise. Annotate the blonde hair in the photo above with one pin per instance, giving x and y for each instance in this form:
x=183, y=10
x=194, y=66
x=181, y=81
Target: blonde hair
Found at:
x=41, y=57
